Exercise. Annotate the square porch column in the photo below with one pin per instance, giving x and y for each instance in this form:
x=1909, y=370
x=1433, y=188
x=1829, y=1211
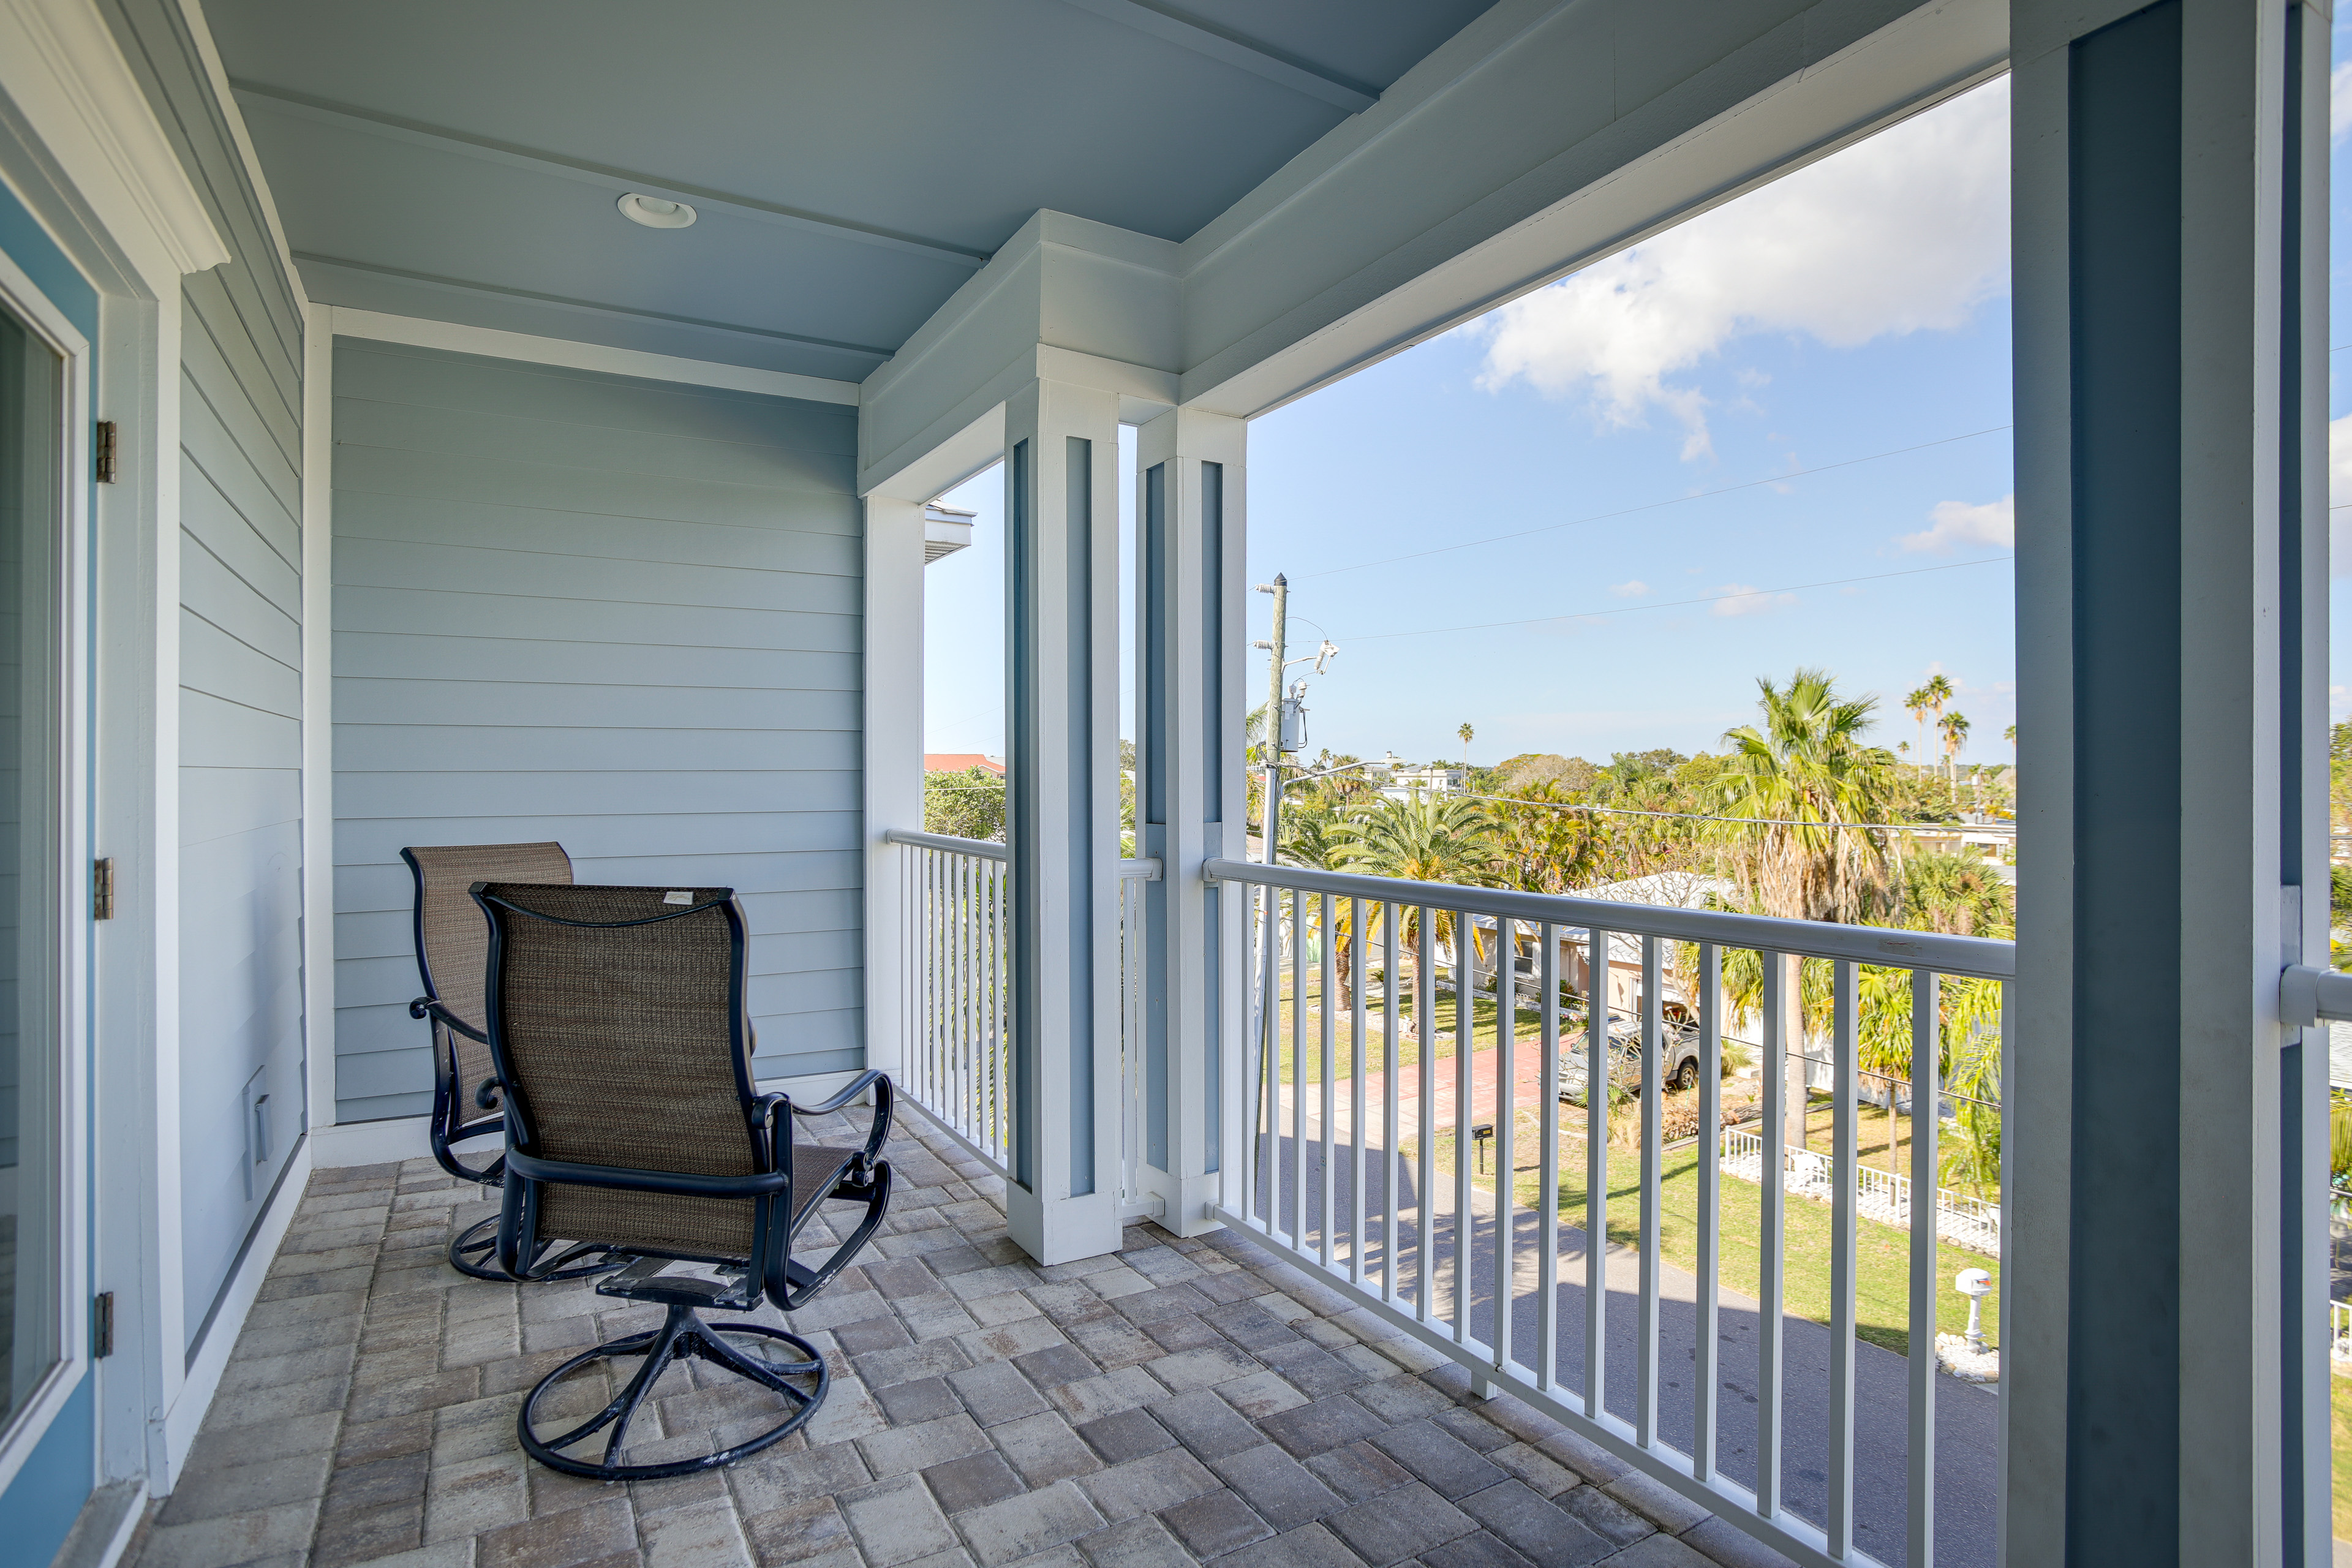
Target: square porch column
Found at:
x=1061, y=623
x=1190, y=800
x=2164, y=1376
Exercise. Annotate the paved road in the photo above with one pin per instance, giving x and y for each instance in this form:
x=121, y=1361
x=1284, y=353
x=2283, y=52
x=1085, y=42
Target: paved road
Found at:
x=1967, y=1472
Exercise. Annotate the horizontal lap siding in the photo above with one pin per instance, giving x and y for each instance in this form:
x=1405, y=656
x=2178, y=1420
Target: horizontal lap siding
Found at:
x=619, y=615
x=241, y=681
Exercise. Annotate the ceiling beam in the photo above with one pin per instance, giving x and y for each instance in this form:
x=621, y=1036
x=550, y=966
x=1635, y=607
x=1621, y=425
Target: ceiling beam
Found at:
x=273, y=101
x=1229, y=48
x=866, y=353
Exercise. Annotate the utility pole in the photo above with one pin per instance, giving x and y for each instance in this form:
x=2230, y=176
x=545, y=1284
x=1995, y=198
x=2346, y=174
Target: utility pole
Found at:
x=1281, y=592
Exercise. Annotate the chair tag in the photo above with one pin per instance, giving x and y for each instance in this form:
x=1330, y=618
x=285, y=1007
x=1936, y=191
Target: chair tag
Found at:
x=676, y=897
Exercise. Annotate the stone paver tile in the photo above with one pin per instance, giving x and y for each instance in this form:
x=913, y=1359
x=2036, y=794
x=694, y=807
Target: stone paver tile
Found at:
x=1358, y=1470
x=1001, y=1532
x=1604, y=1515
x=925, y=1399
x=271, y=1406
x=1586, y=1459
x=1129, y=1435
x=1478, y=1551
x=972, y=1480
x=1044, y=1448
x=1188, y=1333
x=1472, y=1427
x=220, y=1491
x=1093, y=1397
x=936, y=1317
x=1110, y=1284
x=1148, y=1484
x=776, y=1481
x=1056, y=1365
x=1400, y=1524
x=1731, y=1547
x=1010, y=1340
x=1141, y=1542
x=1659, y=1551
x=1309, y=1546
x=701, y=1535
x=995, y=1311
x=1451, y=1467
x=369, y=1531
x=883, y=1333
x=995, y=1392
x=361, y=1442
x=464, y=1500
x=921, y=1445
x=1547, y=1475
x=1204, y=1368
x=1535, y=1526
x=1114, y=1344
x=1319, y=1373
x=1279, y=1487
x=1206, y=1425
x=235, y=1538
x=810, y=1530
x=898, y=1278
x=895, y=1522
x=994, y=1281
x=1260, y=1394
x=1216, y=1523
x=848, y=1412
x=937, y=1359
x=1401, y=1399
x=1669, y=1510
x=1324, y=1424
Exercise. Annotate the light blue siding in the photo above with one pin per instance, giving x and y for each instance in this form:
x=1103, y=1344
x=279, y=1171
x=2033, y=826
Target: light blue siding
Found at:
x=618, y=614
x=240, y=698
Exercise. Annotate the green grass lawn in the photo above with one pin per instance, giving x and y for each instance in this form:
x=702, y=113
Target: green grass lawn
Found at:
x=2340, y=1398
x=1527, y=1029
x=1882, y=1252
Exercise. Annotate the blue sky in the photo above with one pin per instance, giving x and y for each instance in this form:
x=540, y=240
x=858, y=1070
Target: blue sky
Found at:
x=1775, y=436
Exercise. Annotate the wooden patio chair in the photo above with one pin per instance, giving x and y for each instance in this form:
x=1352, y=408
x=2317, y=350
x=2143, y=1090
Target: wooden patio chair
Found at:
x=619, y=1035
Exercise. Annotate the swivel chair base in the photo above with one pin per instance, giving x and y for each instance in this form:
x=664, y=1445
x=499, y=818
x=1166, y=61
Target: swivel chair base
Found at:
x=801, y=1383
x=474, y=1251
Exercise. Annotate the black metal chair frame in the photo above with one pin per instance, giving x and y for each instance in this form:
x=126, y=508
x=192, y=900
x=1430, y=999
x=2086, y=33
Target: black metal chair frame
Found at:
x=778, y=1215
x=472, y=1250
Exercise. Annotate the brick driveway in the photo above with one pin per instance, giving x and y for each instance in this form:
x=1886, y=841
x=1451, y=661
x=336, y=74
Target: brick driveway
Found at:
x=1182, y=1401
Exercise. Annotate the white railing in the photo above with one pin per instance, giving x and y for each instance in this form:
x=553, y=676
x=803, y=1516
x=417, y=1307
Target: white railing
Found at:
x=2339, y=1330
x=1883, y=1195
x=1354, y=1168
x=955, y=895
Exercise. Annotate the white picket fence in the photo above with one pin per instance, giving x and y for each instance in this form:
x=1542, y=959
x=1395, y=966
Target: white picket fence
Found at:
x=1882, y=1195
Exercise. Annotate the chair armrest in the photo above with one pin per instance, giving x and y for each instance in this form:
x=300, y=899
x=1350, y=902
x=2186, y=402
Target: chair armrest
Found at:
x=425, y=1006
x=855, y=1088
x=876, y=1136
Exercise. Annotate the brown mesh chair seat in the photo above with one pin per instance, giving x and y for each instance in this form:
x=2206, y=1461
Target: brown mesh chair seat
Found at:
x=619, y=1038
x=453, y=943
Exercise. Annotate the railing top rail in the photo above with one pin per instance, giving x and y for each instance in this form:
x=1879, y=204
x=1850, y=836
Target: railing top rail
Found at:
x=1144, y=870
x=981, y=847
x=1972, y=957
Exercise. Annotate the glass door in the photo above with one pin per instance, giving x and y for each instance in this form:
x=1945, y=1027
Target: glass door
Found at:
x=32, y=521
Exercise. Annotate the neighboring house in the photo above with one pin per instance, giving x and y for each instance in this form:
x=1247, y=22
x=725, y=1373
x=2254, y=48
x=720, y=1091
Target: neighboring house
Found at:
x=1405, y=781
x=962, y=763
x=1671, y=890
x=1991, y=838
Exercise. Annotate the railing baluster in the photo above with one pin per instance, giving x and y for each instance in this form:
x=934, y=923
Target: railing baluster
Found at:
x=1327, y=948
x=1298, y=1070
x=1466, y=1046
x=1547, y=1163
x=1844, y=1090
x=1710, y=1209
x=1356, y=1092
x=1645, y=1348
x=1769, y=1233
x=1424, y=1019
x=1926, y=1041
x=1392, y=1164
x=1596, y=1174
x=1506, y=1007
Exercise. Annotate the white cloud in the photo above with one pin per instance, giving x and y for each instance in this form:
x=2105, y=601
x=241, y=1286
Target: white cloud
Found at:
x=1635, y=589
x=2340, y=102
x=1956, y=524
x=1745, y=599
x=2339, y=492
x=1907, y=232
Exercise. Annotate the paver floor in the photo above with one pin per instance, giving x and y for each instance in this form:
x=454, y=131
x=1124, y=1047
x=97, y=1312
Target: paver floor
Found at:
x=1180, y=1402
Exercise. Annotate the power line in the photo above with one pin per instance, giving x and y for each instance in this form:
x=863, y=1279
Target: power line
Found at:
x=1652, y=506
x=1673, y=603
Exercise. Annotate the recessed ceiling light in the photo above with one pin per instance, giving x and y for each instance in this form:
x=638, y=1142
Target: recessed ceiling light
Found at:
x=654, y=212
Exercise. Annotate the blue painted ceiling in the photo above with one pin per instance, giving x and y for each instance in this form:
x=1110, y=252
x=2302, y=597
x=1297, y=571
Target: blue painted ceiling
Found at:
x=852, y=163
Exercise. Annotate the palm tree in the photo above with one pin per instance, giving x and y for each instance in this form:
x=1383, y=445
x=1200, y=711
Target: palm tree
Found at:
x=1541, y=848
x=1918, y=702
x=1955, y=726
x=1465, y=732
x=1425, y=838
x=1810, y=782
x=1934, y=694
x=2009, y=735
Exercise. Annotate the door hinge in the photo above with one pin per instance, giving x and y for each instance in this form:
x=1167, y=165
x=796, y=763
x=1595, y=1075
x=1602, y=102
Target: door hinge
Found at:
x=101, y=1326
x=101, y=888
x=102, y=449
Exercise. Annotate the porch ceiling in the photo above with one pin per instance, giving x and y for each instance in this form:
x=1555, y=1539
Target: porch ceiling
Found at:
x=852, y=166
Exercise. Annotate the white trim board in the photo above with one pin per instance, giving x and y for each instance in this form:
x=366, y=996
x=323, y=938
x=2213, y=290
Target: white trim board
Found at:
x=417, y=332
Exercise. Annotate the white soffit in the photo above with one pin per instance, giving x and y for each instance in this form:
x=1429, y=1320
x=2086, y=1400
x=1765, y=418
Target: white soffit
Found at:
x=416, y=331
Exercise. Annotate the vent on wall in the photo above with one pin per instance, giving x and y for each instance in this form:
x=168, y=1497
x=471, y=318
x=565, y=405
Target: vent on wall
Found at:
x=946, y=530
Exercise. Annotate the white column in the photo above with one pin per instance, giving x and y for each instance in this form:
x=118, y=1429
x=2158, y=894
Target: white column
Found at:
x=1061, y=512
x=2170, y=443
x=1189, y=800
x=893, y=762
